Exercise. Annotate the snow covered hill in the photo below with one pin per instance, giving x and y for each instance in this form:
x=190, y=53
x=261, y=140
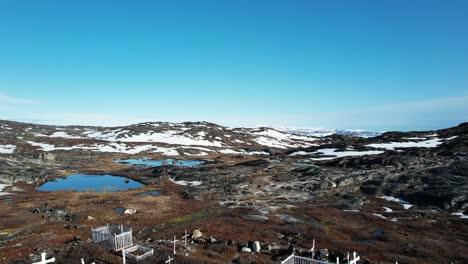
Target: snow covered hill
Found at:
x=188, y=138
x=205, y=139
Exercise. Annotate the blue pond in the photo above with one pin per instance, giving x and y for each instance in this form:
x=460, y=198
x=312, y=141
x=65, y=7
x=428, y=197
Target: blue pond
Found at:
x=157, y=163
x=153, y=193
x=302, y=164
x=87, y=182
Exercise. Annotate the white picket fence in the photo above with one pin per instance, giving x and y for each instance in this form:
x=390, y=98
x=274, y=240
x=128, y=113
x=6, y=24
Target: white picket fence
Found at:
x=128, y=252
x=113, y=237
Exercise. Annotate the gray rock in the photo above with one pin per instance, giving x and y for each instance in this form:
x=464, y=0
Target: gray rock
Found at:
x=323, y=254
x=256, y=246
x=246, y=249
x=197, y=234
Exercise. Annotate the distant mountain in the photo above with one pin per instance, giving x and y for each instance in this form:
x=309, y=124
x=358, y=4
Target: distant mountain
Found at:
x=323, y=132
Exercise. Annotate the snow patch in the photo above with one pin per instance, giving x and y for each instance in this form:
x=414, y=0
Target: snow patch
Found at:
x=168, y=137
x=63, y=135
x=7, y=149
x=383, y=217
x=43, y=146
x=404, y=203
x=461, y=215
x=2, y=187
x=336, y=154
x=110, y=147
x=185, y=183
x=430, y=143
x=243, y=152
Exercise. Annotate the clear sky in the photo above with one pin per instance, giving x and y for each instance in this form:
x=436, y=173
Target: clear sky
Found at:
x=378, y=65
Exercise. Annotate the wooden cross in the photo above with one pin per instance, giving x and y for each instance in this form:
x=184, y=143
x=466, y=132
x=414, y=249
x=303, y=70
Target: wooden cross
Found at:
x=185, y=237
x=174, y=241
x=169, y=259
x=355, y=258
x=44, y=260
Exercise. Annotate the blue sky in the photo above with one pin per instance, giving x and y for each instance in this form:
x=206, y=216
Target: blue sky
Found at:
x=378, y=65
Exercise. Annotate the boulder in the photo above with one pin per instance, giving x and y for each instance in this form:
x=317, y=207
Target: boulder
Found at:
x=323, y=254
x=197, y=234
x=246, y=249
x=130, y=211
x=256, y=247
x=212, y=240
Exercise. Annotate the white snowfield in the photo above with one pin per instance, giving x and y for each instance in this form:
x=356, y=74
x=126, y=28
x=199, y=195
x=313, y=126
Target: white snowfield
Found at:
x=424, y=143
x=114, y=147
x=146, y=137
x=242, y=152
x=153, y=137
x=276, y=139
x=169, y=137
x=7, y=149
x=110, y=147
x=335, y=154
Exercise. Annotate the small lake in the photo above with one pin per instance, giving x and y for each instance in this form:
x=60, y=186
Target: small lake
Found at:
x=89, y=182
x=151, y=193
x=164, y=162
x=303, y=164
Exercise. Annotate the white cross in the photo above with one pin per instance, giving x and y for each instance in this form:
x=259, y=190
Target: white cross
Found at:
x=124, y=261
x=337, y=260
x=169, y=259
x=82, y=262
x=347, y=257
x=174, y=241
x=355, y=258
x=185, y=237
x=312, y=250
x=44, y=260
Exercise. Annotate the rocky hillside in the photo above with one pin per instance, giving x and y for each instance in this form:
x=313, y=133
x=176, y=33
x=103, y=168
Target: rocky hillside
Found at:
x=172, y=139
x=396, y=196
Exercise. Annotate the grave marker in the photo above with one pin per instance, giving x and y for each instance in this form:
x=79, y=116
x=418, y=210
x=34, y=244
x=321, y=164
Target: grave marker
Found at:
x=44, y=260
x=174, y=241
x=185, y=237
x=169, y=259
x=355, y=258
